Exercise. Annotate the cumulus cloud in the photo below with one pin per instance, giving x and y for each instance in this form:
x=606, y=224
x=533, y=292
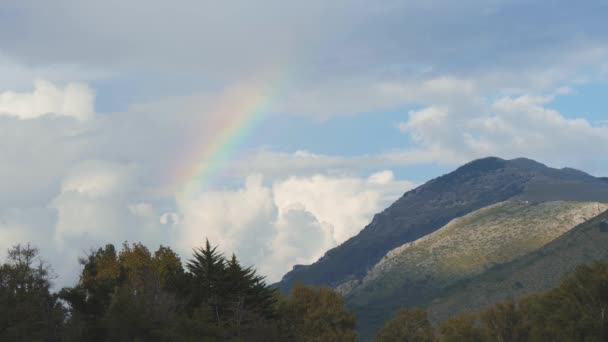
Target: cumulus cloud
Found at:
x=74, y=100
x=294, y=220
x=509, y=127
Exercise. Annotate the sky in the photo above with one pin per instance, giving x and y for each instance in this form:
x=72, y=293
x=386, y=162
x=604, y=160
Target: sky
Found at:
x=276, y=129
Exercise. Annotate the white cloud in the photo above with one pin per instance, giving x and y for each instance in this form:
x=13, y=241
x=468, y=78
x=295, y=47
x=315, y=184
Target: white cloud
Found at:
x=293, y=221
x=80, y=179
x=508, y=127
x=96, y=179
x=74, y=100
x=382, y=177
x=97, y=204
x=240, y=221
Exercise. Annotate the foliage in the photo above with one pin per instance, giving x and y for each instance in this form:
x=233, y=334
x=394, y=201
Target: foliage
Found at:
x=28, y=311
x=461, y=327
x=577, y=310
x=409, y=325
x=132, y=294
x=316, y=315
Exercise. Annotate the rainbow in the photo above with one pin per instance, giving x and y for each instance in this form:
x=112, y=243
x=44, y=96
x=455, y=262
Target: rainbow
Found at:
x=234, y=116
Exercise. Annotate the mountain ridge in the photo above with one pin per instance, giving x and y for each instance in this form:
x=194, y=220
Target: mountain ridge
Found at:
x=430, y=206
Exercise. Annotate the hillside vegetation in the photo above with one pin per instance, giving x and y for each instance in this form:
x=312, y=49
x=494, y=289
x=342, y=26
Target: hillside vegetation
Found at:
x=532, y=273
x=415, y=273
x=574, y=310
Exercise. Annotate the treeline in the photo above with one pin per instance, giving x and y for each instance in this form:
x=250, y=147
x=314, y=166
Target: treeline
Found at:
x=577, y=310
x=133, y=294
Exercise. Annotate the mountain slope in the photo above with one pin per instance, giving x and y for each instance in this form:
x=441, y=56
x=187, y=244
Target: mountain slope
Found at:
x=427, y=208
x=469, y=245
x=532, y=273
x=416, y=272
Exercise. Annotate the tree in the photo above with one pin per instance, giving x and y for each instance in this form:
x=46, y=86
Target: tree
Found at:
x=208, y=267
x=237, y=297
x=461, y=327
x=576, y=310
x=505, y=322
x=125, y=296
x=28, y=311
x=91, y=297
x=408, y=325
x=167, y=264
x=316, y=314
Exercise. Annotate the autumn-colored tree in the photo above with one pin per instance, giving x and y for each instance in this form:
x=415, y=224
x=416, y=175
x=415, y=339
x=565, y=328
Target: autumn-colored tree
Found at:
x=90, y=299
x=168, y=266
x=409, y=325
x=121, y=296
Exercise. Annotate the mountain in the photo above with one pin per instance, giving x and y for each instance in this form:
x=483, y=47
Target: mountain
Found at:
x=537, y=271
x=429, y=207
x=471, y=244
x=417, y=272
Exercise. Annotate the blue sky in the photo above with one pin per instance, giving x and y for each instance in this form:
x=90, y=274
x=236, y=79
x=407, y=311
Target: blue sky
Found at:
x=112, y=114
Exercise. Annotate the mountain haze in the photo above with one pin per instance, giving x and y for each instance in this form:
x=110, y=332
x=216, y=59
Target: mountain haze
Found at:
x=429, y=207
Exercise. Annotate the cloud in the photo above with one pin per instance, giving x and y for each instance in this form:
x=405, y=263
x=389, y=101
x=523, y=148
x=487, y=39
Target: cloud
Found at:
x=382, y=177
x=471, y=79
x=324, y=59
x=99, y=203
x=508, y=127
x=294, y=220
x=74, y=100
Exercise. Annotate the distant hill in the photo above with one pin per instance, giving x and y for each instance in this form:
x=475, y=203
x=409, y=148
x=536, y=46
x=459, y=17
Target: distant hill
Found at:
x=534, y=272
x=427, y=208
x=415, y=273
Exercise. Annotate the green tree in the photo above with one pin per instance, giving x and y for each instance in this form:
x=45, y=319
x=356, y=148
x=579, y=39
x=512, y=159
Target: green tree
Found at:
x=90, y=298
x=312, y=314
x=237, y=297
x=28, y=311
x=576, y=310
x=461, y=327
x=409, y=325
x=207, y=268
x=505, y=322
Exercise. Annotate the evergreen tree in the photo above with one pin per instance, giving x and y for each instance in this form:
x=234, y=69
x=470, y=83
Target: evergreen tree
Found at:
x=208, y=269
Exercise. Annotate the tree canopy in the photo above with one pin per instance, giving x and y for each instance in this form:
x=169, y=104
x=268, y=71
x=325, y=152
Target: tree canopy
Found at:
x=133, y=294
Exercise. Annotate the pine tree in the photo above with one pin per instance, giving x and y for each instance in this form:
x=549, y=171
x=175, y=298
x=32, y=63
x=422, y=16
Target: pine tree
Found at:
x=208, y=268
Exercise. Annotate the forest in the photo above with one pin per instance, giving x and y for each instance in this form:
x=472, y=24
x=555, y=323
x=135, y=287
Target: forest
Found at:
x=133, y=294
